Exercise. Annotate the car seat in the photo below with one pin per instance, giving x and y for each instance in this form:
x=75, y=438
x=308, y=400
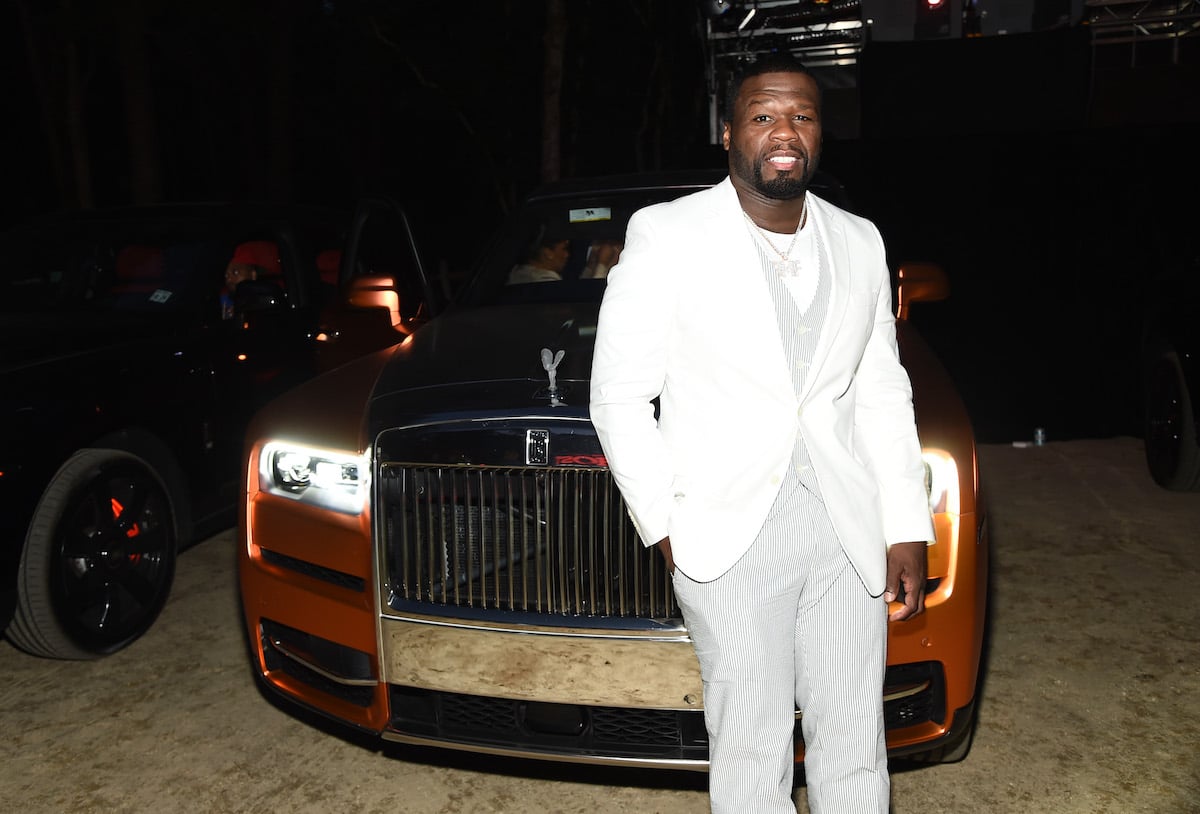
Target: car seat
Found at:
x=264, y=254
x=329, y=262
x=138, y=270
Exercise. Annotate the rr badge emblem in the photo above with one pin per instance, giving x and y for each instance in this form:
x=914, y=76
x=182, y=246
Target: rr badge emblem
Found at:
x=537, y=447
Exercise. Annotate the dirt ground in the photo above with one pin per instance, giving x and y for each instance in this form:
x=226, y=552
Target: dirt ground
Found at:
x=1090, y=703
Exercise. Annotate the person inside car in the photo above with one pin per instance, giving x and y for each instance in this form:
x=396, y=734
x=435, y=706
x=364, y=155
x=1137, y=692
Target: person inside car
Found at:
x=544, y=262
x=252, y=260
x=602, y=255
x=235, y=273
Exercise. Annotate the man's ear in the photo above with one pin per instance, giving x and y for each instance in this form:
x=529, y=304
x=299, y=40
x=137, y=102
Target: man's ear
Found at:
x=725, y=136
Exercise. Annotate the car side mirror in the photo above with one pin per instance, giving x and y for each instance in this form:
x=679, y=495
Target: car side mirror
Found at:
x=375, y=291
x=919, y=282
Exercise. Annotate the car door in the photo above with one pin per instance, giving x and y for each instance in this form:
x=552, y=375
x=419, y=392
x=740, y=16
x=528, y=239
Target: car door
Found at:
x=384, y=290
x=260, y=342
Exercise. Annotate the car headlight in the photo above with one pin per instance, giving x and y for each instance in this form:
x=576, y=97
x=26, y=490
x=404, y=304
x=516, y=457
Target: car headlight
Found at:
x=941, y=481
x=331, y=480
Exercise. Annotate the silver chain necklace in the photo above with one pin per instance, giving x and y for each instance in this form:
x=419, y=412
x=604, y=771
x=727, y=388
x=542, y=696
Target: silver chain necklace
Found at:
x=783, y=266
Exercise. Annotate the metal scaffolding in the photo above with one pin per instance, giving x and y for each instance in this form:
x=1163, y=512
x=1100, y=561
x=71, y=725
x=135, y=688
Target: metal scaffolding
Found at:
x=1141, y=24
x=827, y=35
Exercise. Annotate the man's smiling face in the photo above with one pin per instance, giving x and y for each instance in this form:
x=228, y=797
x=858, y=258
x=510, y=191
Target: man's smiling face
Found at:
x=774, y=134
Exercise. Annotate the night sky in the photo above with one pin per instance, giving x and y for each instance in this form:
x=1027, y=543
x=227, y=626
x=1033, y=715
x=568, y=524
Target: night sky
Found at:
x=1032, y=166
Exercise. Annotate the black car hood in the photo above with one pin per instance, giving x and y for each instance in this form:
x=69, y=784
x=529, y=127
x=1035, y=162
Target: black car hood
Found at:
x=486, y=363
x=491, y=359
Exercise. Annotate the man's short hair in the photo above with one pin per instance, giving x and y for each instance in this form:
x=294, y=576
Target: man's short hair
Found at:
x=543, y=240
x=774, y=62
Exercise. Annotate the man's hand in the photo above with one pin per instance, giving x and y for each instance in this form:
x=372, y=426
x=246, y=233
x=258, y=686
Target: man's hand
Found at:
x=907, y=566
x=664, y=548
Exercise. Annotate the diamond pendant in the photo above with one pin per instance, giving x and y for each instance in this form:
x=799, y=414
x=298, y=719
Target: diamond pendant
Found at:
x=786, y=268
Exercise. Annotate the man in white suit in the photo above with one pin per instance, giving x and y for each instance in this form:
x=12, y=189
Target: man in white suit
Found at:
x=782, y=478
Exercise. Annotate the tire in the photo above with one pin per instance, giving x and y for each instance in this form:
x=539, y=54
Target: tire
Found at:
x=1169, y=433
x=99, y=558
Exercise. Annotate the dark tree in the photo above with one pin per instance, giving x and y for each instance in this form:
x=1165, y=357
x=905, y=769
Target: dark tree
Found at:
x=552, y=82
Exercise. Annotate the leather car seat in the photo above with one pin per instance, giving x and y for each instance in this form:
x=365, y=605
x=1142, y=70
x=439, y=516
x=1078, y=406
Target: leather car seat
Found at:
x=264, y=254
x=138, y=270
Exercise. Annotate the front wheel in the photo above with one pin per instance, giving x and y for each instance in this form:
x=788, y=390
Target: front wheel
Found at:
x=1172, y=449
x=99, y=558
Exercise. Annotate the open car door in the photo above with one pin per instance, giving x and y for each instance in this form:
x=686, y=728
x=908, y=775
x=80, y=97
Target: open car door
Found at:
x=384, y=292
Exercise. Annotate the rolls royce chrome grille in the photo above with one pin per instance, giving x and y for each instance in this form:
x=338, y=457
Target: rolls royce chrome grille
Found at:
x=549, y=541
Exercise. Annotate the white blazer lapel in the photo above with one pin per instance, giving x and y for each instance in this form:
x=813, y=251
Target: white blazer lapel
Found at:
x=837, y=251
x=744, y=290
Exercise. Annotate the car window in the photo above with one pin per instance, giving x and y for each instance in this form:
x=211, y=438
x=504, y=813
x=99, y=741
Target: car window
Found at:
x=558, y=250
x=115, y=266
x=167, y=277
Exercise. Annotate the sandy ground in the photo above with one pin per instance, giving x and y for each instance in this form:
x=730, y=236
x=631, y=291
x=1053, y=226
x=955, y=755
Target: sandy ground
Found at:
x=1091, y=701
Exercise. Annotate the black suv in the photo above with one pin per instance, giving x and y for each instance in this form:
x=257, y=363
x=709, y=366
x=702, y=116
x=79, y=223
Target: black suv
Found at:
x=135, y=345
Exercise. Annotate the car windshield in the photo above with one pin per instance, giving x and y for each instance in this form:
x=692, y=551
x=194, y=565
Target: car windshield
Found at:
x=560, y=248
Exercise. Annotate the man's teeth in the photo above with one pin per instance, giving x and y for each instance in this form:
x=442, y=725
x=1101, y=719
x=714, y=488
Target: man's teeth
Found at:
x=782, y=159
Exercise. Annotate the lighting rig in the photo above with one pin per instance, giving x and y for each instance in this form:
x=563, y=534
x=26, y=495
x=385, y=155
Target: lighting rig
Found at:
x=1145, y=25
x=826, y=35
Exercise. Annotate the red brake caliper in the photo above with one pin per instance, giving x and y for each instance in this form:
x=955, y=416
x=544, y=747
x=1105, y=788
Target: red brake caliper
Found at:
x=131, y=532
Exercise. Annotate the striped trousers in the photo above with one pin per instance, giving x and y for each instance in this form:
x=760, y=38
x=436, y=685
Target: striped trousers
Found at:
x=790, y=626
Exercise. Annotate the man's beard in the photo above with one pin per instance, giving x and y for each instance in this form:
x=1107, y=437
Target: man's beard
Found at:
x=784, y=187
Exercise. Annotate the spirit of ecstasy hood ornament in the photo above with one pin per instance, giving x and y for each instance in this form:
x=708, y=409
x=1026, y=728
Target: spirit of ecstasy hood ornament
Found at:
x=550, y=362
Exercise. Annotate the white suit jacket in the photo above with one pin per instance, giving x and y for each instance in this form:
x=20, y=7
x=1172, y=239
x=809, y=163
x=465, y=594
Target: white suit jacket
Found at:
x=687, y=318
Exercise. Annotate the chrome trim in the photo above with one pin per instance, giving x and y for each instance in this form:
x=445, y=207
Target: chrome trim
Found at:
x=674, y=633
x=348, y=682
x=555, y=543
x=916, y=689
x=596, y=760
x=537, y=447
x=484, y=420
